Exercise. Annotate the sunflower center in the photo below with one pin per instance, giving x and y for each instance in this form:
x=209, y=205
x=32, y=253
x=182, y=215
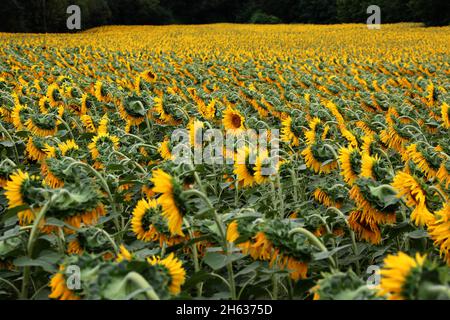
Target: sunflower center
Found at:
x=236, y=120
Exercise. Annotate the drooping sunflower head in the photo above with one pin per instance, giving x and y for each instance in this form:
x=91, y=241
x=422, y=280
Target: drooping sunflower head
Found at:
x=319, y=158
x=59, y=289
x=445, y=115
x=400, y=276
x=42, y=125
x=350, y=159
x=233, y=121
x=102, y=144
x=132, y=111
x=291, y=131
x=23, y=189
x=415, y=194
x=174, y=267
x=170, y=200
x=439, y=231
x=165, y=149
x=144, y=219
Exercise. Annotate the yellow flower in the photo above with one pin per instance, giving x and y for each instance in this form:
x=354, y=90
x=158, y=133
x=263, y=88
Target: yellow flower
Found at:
x=164, y=184
x=175, y=270
x=365, y=229
x=233, y=121
x=100, y=140
x=395, y=272
x=323, y=198
x=287, y=135
x=350, y=159
x=14, y=192
x=445, y=114
x=164, y=149
x=243, y=169
x=124, y=254
x=140, y=224
x=439, y=231
x=232, y=231
x=415, y=196
x=59, y=289
x=34, y=151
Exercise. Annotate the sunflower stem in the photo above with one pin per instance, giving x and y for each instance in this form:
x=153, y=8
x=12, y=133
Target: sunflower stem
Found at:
x=314, y=240
x=30, y=247
x=194, y=255
x=16, y=154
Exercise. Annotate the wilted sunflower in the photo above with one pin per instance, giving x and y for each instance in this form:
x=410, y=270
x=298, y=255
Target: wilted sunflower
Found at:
x=174, y=268
x=17, y=191
x=322, y=197
x=398, y=270
x=233, y=121
x=59, y=289
x=318, y=158
x=35, y=148
x=365, y=229
x=289, y=133
x=133, y=112
x=369, y=167
x=169, y=199
x=445, y=114
x=409, y=187
x=426, y=160
x=439, y=231
x=350, y=159
x=443, y=173
x=42, y=125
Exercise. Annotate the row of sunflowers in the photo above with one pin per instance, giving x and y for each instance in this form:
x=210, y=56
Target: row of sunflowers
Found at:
x=93, y=205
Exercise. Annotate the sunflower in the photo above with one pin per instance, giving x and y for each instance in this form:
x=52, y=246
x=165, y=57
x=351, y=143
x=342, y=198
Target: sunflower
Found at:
x=88, y=217
x=232, y=231
x=59, y=289
x=243, y=169
x=365, y=229
x=233, y=121
x=397, y=270
x=369, y=165
x=288, y=132
x=100, y=92
x=174, y=268
x=409, y=187
x=195, y=132
x=207, y=111
x=100, y=142
x=323, y=198
x=149, y=76
x=42, y=125
x=124, y=254
x=18, y=115
x=17, y=193
x=368, y=145
x=443, y=173
x=88, y=123
x=141, y=215
x=264, y=168
x=74, y=247
x=439, y=231
x=35, y=149
x=53, y=95
x=133, y=116
x=422, y=162
x=350, y=159
x=170, y=190
x=163, y=114
x=311, y=153
x=165, y=149
x=360, y=193
x=445, y=114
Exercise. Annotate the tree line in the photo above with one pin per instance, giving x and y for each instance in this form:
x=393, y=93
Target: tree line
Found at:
x=51, y=16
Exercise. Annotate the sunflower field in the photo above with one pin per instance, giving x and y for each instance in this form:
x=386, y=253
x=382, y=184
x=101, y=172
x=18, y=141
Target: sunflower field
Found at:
x=92, y=205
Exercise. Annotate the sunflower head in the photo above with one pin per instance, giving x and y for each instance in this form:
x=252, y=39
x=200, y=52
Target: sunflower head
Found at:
x=173, y=267
x=233, y=121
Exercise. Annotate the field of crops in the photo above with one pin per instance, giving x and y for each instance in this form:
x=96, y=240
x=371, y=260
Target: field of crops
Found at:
x=94, y=205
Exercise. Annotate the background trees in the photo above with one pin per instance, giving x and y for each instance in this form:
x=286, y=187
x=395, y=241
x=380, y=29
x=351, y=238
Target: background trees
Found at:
x=50, y=15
